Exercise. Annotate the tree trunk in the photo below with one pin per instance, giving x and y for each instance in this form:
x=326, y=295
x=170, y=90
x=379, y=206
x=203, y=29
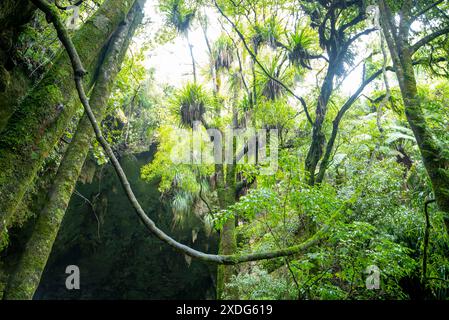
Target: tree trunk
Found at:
x=25, y=280
x=336, y=123
x=18, y=85
x=14, y=82
x=42, y=117
x=227, y=196
x=228, y=243
x=437, y=165
x=192, y=57
x=318, y=137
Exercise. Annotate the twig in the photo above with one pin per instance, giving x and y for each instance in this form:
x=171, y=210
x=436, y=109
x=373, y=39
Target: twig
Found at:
x=76, y=192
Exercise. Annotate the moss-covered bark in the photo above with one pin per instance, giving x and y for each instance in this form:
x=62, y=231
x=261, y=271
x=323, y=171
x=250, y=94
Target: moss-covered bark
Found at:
x=227, y=244
x=16, y=88
x=226, y=190
x=40, y=120
x=437, y=165
x=14, y=14
x=24, y=282
x=14, y=82
x=434, y=159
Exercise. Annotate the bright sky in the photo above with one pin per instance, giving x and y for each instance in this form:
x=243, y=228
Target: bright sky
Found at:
x=172, y=61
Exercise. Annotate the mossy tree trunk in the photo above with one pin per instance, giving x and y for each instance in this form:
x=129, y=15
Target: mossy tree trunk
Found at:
x=13, y=15
x=435, y=161
x=318, y=138
x=228, y=243
x=226, y=182
x=44, y=114
x=18, y=84
x=14, y=82
x=336, y=37
x=25, y=279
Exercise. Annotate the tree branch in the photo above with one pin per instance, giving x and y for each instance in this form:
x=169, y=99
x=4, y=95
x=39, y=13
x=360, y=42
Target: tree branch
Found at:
x=427, y=39
x=357, y=36
x=336, y=124
x=426, y=9
x=253, y=56
x=149, y=224
x=67, y=7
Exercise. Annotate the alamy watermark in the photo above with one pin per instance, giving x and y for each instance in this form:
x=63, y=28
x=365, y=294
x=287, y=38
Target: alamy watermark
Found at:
x=72, y=22
x=373, y=278
x=230, y=146
x=72, y=282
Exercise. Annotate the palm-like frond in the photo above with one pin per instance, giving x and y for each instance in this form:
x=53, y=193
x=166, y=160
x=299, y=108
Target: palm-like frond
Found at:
x=191, y=103
x=178, y=14
x=222, y=53
x=300, y=45
x=267, y=33
x=272, y=89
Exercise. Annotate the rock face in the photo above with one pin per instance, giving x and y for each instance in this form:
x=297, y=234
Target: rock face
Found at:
x=116, y=256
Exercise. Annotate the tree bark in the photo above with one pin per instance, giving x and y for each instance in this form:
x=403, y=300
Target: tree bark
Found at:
x=228, y=243
x=42, y=117
x=25, y=280
x=318, y=138
x=336, y=123
x=437, y=165
x=227, y=196
x=148, y=223
x=14, y=82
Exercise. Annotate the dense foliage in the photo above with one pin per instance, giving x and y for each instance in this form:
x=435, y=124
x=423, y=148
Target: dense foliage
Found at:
x=354, y=96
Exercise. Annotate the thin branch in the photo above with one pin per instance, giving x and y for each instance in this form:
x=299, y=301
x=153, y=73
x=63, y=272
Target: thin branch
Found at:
x=239, y=59
x=387, y=97
x=427, y=39
x=445, y=15
x=149, y=224
x=356, y=37
x=204, y=200
x=426, y=9
x=76, y=192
